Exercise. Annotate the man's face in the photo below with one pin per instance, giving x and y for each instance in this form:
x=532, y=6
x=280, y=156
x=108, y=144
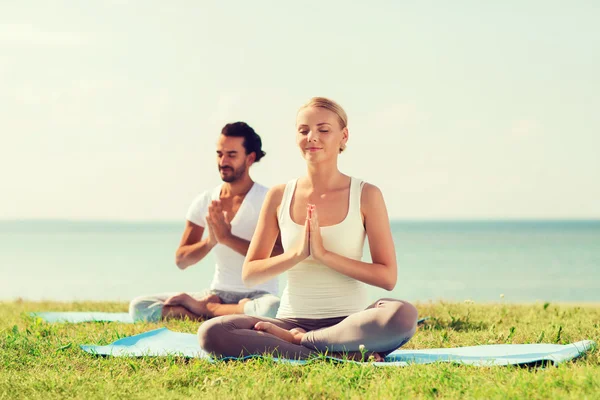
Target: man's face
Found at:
x=231, y=158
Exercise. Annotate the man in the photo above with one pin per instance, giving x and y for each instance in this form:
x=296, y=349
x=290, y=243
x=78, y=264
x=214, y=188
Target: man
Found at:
x=229, y=214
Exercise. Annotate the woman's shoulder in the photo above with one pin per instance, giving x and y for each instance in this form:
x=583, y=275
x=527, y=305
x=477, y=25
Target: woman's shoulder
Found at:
x=368, y=189
x=275, y=193
x=277, y=190
x=371, y=195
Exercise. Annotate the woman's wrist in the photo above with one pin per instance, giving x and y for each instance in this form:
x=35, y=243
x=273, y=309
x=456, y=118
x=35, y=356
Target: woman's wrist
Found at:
x=321, y=256
x=296, y=258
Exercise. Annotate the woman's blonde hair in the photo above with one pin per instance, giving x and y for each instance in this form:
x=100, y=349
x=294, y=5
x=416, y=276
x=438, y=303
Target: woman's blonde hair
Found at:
x=323, y=102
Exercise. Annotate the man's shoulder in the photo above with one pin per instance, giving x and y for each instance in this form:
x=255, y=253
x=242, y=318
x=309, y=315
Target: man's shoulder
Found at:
x=263, y=193
x=204, y=198
x=260, y=189
x=210, y=194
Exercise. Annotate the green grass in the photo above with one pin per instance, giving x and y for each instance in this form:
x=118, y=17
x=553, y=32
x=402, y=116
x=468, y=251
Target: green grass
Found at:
x=40, y=360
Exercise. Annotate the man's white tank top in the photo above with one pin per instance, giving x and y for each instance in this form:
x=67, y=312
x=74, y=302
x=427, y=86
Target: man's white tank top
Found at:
x=314, y=290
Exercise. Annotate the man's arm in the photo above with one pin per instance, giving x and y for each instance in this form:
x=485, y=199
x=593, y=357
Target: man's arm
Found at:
x=193, y=248
x=241, y=245
x=236, y=244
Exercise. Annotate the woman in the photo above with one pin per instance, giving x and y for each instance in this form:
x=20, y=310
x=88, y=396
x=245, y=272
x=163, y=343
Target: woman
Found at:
x=322, y=219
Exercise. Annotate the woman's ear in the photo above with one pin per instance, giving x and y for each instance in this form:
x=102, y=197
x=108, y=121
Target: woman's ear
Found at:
x=344, y=139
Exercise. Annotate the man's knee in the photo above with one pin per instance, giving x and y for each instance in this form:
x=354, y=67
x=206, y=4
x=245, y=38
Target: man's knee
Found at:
x=264, y=306
x=145, y=309
x=135, y=305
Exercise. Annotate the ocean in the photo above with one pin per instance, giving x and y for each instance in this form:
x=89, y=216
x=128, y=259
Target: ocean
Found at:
x=522, y=261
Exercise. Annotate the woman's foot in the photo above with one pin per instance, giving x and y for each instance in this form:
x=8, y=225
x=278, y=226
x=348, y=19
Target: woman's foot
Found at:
x=374, y=357
x=358, y=356
x=292, y=336
x=295, y=336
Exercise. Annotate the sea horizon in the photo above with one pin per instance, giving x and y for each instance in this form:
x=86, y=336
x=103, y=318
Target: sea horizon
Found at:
x=526, y=260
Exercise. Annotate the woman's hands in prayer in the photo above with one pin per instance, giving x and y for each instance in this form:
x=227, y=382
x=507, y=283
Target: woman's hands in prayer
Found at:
x=317, y=250
x=312, y=243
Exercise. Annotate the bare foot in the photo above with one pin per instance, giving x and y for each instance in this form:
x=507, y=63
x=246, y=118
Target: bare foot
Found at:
x=376, y=357
x=178, y=312
x=293, y=336
x=211, y=298
x=298, y=334
x=200, y=307
x=298, y=331
x=358, y=356
x=243, y=301
x=180, y=299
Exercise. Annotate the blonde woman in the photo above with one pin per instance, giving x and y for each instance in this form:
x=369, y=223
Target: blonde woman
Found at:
x=323, y=219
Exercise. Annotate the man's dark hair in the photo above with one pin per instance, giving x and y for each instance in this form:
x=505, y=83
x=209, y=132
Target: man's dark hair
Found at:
x=252, y=142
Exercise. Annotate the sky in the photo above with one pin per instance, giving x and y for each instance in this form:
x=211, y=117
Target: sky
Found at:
x=110, y=110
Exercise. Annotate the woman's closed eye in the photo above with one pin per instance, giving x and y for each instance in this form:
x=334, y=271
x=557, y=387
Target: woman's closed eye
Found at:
x=306, y=131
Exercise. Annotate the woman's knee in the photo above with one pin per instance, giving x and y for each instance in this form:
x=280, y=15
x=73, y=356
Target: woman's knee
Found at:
x=402, y=316
x=217, y=335
x=210, y=334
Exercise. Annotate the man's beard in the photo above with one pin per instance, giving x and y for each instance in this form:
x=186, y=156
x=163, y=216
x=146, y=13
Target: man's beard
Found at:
x=233, y=174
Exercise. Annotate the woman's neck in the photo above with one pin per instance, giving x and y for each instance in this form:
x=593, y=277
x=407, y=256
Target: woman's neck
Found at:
x=323, y=177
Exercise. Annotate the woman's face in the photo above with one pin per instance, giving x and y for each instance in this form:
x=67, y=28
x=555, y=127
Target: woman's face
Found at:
x=319, y=134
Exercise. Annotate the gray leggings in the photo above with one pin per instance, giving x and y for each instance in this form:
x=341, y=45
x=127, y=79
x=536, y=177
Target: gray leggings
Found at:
x=149, y=308
x=382, y=327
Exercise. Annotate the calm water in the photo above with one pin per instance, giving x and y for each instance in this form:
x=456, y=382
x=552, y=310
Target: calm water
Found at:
x=525, y=261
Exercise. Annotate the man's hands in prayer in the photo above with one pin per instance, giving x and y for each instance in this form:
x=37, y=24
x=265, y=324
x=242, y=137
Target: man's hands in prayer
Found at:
x=219, y=225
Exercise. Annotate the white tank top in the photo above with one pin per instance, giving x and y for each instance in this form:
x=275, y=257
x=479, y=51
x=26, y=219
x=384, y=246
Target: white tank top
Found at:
x=314, y=290
x=229, y=263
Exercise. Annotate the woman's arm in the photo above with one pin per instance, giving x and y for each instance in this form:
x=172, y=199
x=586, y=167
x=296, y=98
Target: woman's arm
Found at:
x=383, y=271
x=259, y=266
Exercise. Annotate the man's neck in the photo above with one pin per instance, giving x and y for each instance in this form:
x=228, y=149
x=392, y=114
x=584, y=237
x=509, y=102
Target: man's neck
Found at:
x=237, y=188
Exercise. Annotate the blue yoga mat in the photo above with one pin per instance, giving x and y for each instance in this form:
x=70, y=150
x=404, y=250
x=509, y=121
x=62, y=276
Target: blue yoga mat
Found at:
x=163, y=342
x=88, y=316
